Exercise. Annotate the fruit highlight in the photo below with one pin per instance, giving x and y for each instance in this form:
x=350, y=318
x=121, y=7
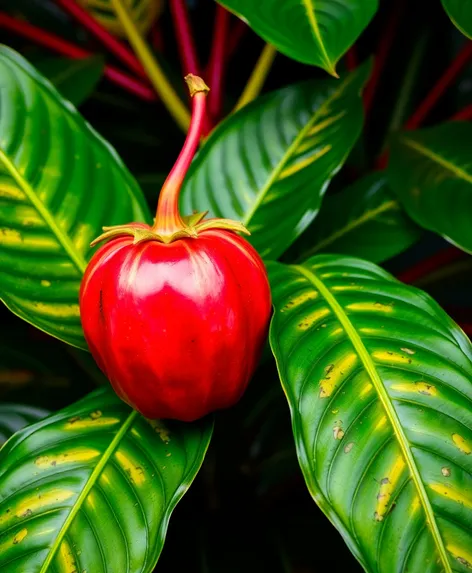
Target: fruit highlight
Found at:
x=176, y=315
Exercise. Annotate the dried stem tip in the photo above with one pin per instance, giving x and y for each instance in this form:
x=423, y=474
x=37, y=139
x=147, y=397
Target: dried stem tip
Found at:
x=196, y=85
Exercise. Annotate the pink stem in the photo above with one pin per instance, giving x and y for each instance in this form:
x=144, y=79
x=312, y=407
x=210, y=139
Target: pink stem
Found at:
x=217, y=62
x=443, y=83
x=184, y=36
x=108, y=40
x=70, y=50
x=168, y=219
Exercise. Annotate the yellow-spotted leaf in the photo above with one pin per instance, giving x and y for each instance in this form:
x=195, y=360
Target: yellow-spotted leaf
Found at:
x=60, y=183
x=379, y=383
x=144, y=13
x=317, y=32
x=14, y=417
x=270, y=164
x=92, y=487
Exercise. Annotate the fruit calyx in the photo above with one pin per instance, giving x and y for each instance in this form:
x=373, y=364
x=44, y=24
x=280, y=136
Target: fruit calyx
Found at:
x=169, y=225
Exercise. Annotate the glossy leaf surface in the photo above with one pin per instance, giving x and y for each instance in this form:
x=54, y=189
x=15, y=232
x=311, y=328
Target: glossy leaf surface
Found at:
x=316, y=32
x=270, y=164
x=379, y=383
x=76, y=79
x=60, y=183
x=460, y=12
x=92, y=488
x=364, y=220
x=431, y=172
x=14, y=417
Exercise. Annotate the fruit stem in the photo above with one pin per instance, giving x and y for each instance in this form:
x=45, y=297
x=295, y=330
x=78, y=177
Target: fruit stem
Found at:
x=168, y=219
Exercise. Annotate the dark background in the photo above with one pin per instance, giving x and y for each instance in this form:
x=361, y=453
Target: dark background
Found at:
x=248, y=509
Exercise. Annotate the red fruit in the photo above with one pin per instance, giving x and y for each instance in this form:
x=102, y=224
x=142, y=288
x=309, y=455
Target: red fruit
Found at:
x=176, y=315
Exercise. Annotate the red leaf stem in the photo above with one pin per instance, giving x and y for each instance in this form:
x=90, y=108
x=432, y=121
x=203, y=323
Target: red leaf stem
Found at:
x=216, y=66
x=184, y=36
x=383, y=51
x=65, y=48
x=442, y=84
x=425, y=267
x=115, y=46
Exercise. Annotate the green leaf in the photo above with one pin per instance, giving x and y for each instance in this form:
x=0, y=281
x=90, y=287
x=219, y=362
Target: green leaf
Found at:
x=378, y=379
x=431, y=172
x=14, y=417
x=92, y=488
x=75, y=80
x=60, y=183
x=460, y=12
x=316, y=32
x=270, y=164
x=364, y=220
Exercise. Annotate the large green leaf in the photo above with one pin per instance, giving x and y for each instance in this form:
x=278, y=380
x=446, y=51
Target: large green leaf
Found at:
x=431, y=172
x=14, y=417
x=317, y=32
x=60, y=182
x=92, y=488
x=74, y=79
x=460, y=12
x=378, y=379
x=364, y=220
x=270, y=164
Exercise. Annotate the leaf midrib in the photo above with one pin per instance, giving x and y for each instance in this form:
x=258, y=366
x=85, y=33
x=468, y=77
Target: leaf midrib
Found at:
x=46, y=215
x=356, y=222
x=430, y=154
x=310, y=12
x=387, y=405
x=86, y=490
x=292, y=148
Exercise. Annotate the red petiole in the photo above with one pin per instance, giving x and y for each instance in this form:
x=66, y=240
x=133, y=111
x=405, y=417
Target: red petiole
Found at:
x=65, y=48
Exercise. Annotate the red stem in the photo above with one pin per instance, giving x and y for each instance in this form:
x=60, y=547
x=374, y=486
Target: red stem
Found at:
x=425, y=267
x=184, y=36
x=108, y=40
x=168, y=219
x=217, y=62
x=464, y=114
x=443, y=83
x=383, y=51
x=237, y=33
x=156, y=37
x=70, y=50
x=352, y=61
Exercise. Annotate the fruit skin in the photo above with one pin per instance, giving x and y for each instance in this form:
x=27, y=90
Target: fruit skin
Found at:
x=177, y=328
